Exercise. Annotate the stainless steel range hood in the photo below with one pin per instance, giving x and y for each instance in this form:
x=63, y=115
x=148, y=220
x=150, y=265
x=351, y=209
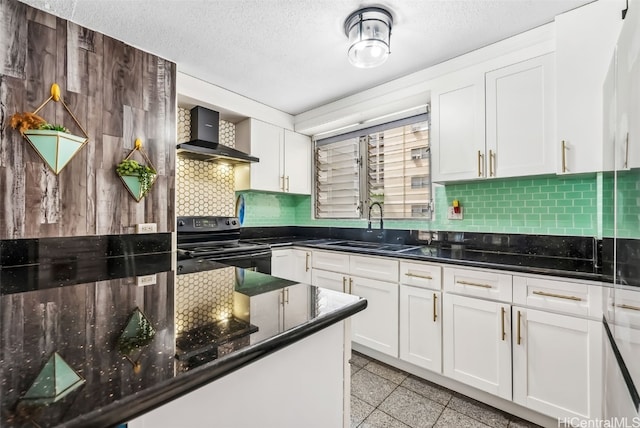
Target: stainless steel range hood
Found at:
x=204, y=144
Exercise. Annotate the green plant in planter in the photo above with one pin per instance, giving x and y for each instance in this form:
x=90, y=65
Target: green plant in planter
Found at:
x=52, y=127
x=144, y=173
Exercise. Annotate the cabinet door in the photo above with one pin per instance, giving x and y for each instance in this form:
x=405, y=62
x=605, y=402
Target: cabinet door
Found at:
x=557, y=363
x=585, y=39
x=377, y=326
x=609, y=116
x=300, y=266
x=477, y=343
x=296, y=305
x=264, y=141
x=628, y=92
x=297, y=163
x=521, y=118
x=331, y=280
x=281, y=263
x=457, y=127
x=421, y=327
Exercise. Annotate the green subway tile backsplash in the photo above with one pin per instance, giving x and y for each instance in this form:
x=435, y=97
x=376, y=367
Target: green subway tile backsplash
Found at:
x=557, y=205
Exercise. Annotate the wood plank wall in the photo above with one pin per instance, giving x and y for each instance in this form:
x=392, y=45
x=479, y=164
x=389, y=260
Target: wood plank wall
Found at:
x=117, y=92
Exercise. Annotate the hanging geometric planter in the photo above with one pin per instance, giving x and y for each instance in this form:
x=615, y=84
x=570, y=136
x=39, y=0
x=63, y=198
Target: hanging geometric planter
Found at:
x=53, y=143
x=55, y=381
x=137, y=334
x=137, y=178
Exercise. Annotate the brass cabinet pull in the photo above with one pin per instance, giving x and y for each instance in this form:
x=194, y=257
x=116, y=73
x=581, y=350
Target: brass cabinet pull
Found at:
x=435, y=305
x=504, y=333
x=564, y=156
x=282, y=182
x=350, y=284
x=287, y=184
x=519, y=337
x=492, y=158
x=559, y=296
x=626, y=152
x=479, y=164
x=306, y=263
x=286, y=295
x=625, y=306
x=344, y=284
x=475, y=284
x=415, y=275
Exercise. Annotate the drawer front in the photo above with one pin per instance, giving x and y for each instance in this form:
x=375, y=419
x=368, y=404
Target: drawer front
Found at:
x=623, y=307
x=557, y=295
x=423, y=275
x=374, y=267
x=477, y=283
x=327, y=260
x=331, y=280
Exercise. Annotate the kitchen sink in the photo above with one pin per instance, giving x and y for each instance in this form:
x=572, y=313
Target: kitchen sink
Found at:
x=371, y=246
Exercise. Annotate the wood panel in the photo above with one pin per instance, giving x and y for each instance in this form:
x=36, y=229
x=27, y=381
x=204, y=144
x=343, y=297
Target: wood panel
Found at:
x=117, y=92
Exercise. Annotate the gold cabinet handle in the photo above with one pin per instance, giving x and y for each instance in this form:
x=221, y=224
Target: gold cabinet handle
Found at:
x=502, y=314
x=415, y=275
x=492, y=158
x=559, y=296
x=564, y=156
x=306, y=262
x=475, y=284
x=286, y=295
x=435, y=305
x=625, y=306
x=344, y=284
x=287, y=184
x=282, y=182
x=519, y=338
x=626, y=152
x=350, y=284
x=479, y=164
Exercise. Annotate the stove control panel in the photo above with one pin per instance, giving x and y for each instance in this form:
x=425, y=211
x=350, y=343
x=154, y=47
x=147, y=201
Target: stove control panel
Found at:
x=207, y=224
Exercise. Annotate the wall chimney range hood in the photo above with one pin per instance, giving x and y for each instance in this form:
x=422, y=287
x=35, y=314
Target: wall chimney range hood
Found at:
x=204, y=144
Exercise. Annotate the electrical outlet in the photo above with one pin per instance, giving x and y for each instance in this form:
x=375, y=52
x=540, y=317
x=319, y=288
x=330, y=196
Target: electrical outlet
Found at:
x=451, y=215
x=145, y=280
x=146, y=228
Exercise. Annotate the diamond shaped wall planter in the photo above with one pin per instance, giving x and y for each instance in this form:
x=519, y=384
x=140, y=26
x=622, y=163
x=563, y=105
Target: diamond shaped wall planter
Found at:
x=56, y=148
x=135, y=186
x=137, y=178
x=56, y=380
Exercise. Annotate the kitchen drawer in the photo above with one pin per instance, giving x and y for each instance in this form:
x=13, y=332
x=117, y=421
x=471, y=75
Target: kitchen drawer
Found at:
x=478, y=283
x=332, y=261
x=558, y=295
x=423, y=275
x=383, y=269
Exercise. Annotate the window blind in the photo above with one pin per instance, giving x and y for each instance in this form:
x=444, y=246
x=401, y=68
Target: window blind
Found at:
x=338, y=179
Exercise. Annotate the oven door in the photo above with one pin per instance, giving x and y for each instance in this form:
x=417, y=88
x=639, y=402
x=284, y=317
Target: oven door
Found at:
x=255, y=261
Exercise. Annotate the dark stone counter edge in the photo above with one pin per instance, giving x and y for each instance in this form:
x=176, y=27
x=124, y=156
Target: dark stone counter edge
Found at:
x=633, y=392
x=140, y=403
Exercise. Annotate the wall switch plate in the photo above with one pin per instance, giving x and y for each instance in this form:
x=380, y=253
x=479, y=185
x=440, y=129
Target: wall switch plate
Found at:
x=145, y=280
x=146, y=228
x=452, y=215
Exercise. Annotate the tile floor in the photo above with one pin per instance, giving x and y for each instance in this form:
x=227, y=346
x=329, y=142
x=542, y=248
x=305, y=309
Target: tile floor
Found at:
x=385, y=397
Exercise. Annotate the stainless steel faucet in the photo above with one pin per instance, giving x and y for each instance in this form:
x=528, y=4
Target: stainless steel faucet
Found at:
x=369, y=216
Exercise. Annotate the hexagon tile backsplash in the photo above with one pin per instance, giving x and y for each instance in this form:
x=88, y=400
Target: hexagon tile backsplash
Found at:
x=204, y=188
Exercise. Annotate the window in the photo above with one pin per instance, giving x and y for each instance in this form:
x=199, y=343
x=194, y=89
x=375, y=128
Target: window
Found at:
x=386, y=163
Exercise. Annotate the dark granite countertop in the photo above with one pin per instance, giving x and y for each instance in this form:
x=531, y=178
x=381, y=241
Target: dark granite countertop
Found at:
x=139, y=347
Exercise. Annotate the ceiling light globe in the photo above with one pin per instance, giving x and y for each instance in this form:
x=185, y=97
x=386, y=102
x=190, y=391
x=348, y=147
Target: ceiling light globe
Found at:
x=368, y=53
x=369, y=33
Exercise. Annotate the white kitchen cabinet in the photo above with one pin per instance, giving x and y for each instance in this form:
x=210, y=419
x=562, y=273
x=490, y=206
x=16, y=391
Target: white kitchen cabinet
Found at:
x=421, y=327
x=557, y=363
x=296, y=305
x=609, y=93
x=485, y=284
x=331, y=261
x=585, y=40
x=332, y=280
x=627, y=154
x=285, y=158
x=384, y=269
x=520, y=115
x=293, y=264
x=458, y=127
x=477, y=343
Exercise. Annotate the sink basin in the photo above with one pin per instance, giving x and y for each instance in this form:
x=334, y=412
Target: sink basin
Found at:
x=372, y=246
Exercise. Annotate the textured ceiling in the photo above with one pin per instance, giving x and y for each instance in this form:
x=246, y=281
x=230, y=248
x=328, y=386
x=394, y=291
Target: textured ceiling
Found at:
x=291, y=54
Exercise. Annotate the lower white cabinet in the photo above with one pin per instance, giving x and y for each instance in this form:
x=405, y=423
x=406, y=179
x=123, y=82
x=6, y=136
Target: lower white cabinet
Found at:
x=477, y=343
x=557, y=363
x=291, y=263
x=421, y=327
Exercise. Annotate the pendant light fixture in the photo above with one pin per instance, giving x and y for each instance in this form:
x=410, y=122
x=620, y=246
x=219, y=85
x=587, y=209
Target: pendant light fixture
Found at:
x=369, y=33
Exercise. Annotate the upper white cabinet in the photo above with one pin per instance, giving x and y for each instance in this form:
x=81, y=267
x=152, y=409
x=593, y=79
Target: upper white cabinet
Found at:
x=457, y=127
x=627, y=152
x=585, y=41
x=285, y=158
x=520, y=114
